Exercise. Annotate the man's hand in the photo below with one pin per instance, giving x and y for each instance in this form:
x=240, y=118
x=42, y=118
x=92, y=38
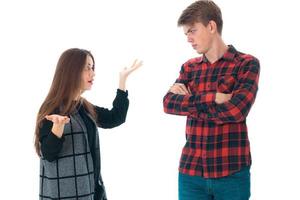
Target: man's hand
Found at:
x=222, y=97
x=179, y=88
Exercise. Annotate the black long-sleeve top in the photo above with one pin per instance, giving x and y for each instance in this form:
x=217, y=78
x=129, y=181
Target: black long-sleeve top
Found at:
x=51, y=145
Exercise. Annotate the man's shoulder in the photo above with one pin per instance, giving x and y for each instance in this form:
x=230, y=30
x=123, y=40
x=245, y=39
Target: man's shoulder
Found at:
x=246, y=57
x=192, y=62
x=247, y=62
x=195, y=60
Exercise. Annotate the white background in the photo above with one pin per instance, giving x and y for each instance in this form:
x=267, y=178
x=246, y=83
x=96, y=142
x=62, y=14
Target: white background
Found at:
x=140, y=158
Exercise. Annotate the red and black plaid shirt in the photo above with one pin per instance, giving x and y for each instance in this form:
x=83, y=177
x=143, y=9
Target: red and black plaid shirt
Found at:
x=217, y=141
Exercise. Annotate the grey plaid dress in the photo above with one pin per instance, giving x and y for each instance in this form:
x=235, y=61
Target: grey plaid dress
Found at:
x=71, y=173
x=71, y=176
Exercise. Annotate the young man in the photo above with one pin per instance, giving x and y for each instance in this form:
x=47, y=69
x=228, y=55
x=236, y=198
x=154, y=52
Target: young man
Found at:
x=215, y=92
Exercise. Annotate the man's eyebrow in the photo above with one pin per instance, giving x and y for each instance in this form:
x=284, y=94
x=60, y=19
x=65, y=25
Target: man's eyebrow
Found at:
x=188, y=31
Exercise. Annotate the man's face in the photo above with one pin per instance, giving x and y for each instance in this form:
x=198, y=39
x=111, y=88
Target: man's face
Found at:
x=199, y=36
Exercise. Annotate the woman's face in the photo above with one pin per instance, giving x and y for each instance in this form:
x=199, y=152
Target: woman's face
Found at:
x=88, y=74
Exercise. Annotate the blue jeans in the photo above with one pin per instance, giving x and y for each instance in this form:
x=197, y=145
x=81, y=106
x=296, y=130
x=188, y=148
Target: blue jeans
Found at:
x=233, y=187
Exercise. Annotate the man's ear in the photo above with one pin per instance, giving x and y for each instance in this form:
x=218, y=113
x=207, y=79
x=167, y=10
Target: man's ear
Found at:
x=212, y=26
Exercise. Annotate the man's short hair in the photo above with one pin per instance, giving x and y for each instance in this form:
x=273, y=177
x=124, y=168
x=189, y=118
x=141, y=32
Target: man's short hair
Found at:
x=202, y=11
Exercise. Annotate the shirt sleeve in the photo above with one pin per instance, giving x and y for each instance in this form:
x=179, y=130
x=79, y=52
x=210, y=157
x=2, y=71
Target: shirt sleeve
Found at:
x=109, y=118
x=51, y=145
x=186, y=104
x=238, y=107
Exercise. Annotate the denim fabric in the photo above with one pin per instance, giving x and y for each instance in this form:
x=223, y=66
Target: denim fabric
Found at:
x=233, y=187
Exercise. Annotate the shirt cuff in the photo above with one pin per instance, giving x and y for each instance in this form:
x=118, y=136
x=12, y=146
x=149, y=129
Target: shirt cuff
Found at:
x=53, y=140
x=122, y=93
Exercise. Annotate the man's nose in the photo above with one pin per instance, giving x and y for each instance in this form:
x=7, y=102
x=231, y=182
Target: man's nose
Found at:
x=189, y=39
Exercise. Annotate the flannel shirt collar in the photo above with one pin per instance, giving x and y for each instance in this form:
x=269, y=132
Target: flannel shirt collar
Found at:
x=228, y=55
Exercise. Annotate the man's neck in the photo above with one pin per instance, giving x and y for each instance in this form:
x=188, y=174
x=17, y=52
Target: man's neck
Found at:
x=217, y=50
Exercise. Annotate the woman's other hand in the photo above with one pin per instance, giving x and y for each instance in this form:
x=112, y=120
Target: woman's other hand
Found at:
x=126, y=72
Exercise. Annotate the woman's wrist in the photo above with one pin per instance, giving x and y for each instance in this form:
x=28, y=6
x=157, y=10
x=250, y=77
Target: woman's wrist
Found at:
x=122, y=83
x=58, y=130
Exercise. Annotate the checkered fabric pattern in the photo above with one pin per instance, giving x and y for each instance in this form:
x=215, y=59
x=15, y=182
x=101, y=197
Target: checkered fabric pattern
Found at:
x=71, y=175
x=217, y=143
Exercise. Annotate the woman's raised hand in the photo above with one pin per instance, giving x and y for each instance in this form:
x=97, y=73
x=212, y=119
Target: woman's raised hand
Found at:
x=126, y=72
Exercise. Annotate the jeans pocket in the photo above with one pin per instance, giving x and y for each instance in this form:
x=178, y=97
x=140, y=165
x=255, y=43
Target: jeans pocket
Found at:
x=244, y=174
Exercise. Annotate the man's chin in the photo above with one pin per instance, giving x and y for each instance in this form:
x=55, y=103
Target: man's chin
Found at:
x=199, y=52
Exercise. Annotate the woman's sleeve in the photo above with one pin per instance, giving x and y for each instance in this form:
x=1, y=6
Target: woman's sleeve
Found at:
x=51, y=145
x=117, y=115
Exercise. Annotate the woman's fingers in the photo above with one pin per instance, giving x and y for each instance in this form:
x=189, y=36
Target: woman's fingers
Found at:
x=134, y=62
x=49, y=117
x=136, y=65
x=67, y=120
x=58, y=119
x=126, y=71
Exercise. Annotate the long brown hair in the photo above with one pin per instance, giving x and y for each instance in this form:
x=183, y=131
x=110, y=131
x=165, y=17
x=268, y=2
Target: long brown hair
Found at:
x=65, y=87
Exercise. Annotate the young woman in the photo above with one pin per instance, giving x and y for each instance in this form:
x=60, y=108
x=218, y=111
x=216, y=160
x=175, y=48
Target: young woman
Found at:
x=66, y=135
